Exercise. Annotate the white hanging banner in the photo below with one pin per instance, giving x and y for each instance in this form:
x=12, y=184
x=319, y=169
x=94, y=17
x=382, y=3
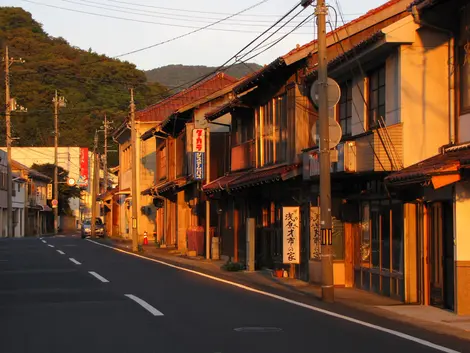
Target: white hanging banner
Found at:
x=291, y=235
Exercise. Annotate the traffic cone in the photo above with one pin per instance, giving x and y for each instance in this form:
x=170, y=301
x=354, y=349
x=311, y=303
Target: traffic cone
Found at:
x=146, y=241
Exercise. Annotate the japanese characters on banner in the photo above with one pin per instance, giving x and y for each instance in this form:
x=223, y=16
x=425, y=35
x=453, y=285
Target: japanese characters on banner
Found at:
x=315, y=236
x=199, y=149
x=83, y=178
x=291, y=235
x=49, y=191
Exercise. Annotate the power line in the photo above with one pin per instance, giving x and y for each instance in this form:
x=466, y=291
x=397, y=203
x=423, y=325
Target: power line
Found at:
x=198, y=79
x=280, y=39
x=195, y=11
x=174, y=38
x=143, y=21
x=147, y=13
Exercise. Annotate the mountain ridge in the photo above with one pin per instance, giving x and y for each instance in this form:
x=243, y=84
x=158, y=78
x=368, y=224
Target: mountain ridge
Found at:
x=178, y=77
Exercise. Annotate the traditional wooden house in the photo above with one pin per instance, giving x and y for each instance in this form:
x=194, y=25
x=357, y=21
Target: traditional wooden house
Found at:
x=174, y=191
x=273, y=146
x=434, y=186
x=39, y=218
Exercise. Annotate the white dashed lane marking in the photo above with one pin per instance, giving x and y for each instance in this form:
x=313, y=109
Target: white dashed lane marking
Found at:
x=145, y=305
x=96, y=275
x=75, y=261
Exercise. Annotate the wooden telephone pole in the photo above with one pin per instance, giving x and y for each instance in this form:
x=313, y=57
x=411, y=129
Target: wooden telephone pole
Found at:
x=105, y=127
x=94, y=185
x=59, y=102
x=10, y=105
x=325, y=177
x=134, y=191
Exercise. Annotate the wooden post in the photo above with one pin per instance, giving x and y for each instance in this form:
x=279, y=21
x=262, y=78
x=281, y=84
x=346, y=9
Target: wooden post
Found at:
x=426, y=280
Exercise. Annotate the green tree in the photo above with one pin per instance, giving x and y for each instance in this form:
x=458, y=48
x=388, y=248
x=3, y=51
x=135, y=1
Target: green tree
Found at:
x=66, y=192
x=93, y=85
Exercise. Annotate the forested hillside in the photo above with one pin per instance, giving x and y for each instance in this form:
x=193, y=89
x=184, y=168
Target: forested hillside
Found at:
x=93, y=84
x=173, y=76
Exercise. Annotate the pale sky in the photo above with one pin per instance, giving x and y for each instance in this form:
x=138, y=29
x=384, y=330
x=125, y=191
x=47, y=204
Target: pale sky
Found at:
x=142, y=23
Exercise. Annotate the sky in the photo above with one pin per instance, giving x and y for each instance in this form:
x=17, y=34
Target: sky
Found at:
x=116, y=27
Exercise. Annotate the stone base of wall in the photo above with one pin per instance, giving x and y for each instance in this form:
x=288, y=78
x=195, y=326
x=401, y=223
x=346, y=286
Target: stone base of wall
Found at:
x=462, y=278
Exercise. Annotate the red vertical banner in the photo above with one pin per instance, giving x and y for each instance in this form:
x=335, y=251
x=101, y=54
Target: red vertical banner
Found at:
x=83, y=178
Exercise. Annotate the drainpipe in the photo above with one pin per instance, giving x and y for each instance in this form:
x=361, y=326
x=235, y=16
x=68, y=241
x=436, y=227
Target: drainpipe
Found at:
x=450, y=81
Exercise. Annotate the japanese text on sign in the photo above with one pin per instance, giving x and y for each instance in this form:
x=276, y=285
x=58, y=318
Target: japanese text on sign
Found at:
x=291, y=241
x=198, y=165
x=199, y=143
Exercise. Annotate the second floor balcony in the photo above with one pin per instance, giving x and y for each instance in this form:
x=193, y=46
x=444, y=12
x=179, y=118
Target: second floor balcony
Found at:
x=243, y=156
x=375, y=151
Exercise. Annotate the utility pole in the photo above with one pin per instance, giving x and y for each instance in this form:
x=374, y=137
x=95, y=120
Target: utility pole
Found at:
x=105, y=128
x=58, y=103
x=94, y=189
x=327, y=287
x=134, y=191
x=208, y=203
x=10, y=105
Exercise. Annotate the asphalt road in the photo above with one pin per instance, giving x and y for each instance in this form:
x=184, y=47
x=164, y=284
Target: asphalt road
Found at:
x=67, y=295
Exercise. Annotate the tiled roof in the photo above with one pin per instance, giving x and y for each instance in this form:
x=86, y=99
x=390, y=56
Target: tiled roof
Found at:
x=424, y=4
x=224, y=109
x=222, y=183
x=33, y=174
x=351, y=53
x=266, y=175
x=241, y=180
x=441, y=164
x=171, y=185
x=163, y=109
x=108, y=193
x=245, y=83
x=356, y=20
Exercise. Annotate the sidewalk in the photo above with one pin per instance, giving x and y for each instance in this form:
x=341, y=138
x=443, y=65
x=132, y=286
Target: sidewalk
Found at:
x=430, y=318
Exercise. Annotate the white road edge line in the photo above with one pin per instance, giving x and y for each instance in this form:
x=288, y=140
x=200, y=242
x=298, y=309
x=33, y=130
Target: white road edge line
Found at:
x=101, y=278
x=290, y=301
x=145, y=305
x=61, y=252
x=74, y=261
x=51, y=246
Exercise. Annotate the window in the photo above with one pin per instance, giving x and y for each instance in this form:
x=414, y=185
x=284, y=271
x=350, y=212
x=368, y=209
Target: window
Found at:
x=382, y=248
x=126, y=158
x=3, y=177
x=345, y=108
x=464, y=50
x=242, y=128
x=280, y=129
x=376, y=102
x=272, y=134
x=338, y=238
x=365, y=235
x=161, y=162
x=268, y=137
x=181, y=167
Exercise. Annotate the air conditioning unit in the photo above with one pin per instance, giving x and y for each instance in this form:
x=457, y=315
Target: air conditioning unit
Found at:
x=347, y=157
